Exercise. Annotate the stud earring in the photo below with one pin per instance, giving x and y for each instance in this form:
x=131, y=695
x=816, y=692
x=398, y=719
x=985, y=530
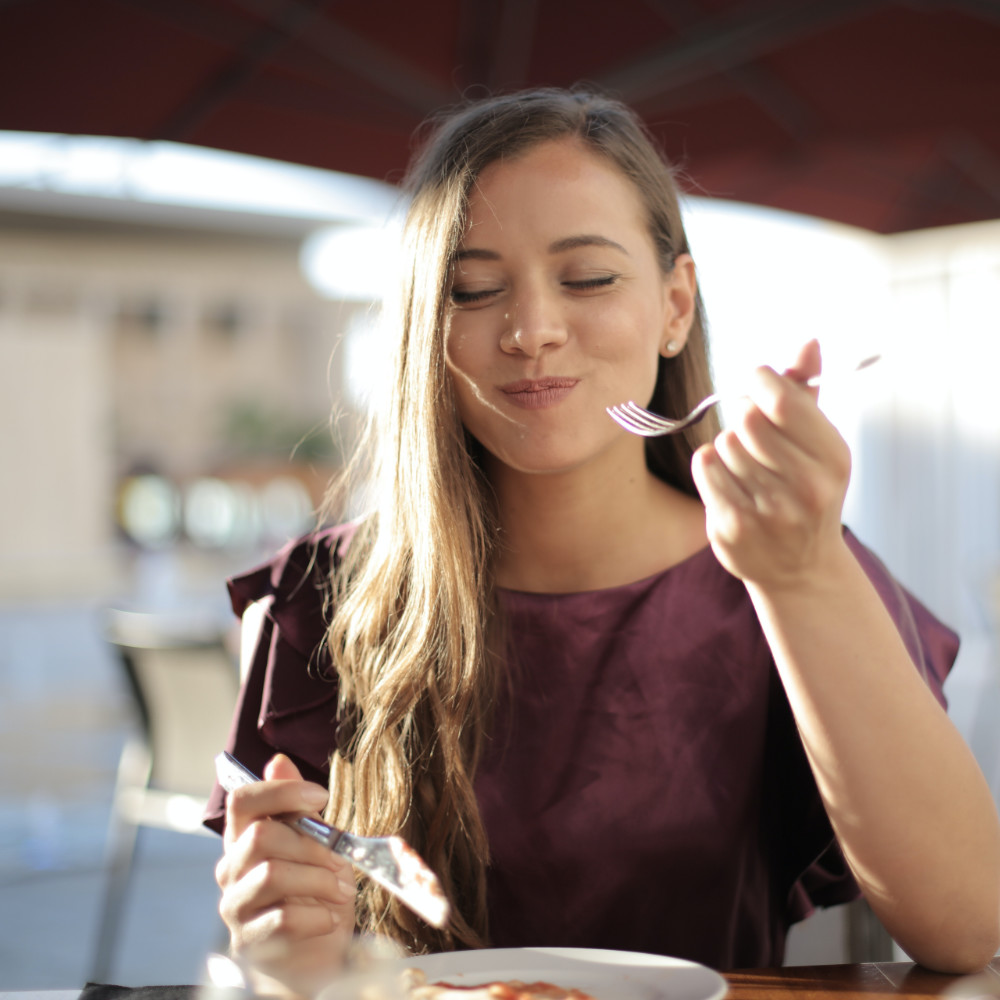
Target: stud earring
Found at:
x=672, y=348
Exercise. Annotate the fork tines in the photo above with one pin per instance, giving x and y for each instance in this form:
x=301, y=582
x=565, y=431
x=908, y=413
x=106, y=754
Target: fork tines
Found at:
x=638, y=420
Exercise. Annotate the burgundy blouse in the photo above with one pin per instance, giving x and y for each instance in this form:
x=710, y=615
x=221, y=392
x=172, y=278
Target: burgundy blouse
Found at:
x=645, y=789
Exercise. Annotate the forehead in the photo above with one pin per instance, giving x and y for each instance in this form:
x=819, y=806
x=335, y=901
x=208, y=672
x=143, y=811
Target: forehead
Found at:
x=556, y=188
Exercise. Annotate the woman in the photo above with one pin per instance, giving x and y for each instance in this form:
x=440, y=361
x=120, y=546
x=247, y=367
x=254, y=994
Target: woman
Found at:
x=617, y=692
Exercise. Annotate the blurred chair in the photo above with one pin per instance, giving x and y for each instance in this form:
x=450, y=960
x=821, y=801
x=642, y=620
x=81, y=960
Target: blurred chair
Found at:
x=866, y=940
x=183, y=680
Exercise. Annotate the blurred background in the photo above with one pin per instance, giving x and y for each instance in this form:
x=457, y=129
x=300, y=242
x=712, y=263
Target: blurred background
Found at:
x=197, y=207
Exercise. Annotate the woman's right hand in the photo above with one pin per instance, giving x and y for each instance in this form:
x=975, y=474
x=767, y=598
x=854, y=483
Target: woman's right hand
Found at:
x=287, y=900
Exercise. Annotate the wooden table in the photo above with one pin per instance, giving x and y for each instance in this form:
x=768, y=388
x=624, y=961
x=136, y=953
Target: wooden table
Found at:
x=834, y=982
x=841, y=982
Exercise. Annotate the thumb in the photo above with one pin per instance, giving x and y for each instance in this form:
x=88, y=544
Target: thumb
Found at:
x=281, y=768
x=808, y=363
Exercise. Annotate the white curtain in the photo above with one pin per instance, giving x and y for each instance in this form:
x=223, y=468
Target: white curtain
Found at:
x=927, y=486
x=923, y=424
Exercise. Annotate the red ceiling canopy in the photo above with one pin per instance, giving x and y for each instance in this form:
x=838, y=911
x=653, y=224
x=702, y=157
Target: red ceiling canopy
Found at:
x=883, y=115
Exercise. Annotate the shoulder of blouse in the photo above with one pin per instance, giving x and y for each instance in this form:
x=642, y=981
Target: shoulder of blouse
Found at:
x=294, y=585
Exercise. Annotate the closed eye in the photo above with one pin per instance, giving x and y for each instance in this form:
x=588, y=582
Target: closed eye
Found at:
x=465, y=298
x=468, y=297
x=604, y=281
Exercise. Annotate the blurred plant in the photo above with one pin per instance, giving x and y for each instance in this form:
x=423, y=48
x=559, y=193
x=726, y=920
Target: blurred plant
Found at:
x=252, y=430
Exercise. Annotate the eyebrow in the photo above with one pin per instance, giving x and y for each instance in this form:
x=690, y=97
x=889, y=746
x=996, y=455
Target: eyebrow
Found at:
x=586, y=240
x=560, y=246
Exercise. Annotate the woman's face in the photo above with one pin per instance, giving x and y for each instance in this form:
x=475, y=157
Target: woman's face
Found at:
x=559, y=308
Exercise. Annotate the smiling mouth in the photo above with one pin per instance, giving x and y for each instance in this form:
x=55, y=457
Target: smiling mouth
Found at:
x=537, y=394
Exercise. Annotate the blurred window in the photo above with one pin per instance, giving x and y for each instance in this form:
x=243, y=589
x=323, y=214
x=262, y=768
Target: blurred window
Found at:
x=142, y=317
x=225, y=321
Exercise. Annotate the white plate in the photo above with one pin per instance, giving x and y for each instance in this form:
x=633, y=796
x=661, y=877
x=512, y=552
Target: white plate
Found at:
x=606, y=975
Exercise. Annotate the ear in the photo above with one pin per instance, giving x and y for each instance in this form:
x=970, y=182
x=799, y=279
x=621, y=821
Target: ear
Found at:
x=680, y=295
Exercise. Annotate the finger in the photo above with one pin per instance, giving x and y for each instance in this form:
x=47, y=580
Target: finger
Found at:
x=268, y=933
x=753, y=445
x=275, y=882
x=248, y=854
x=761, y=481
x=270, y=838
x=282, y=767
x=794, y=438
x=807, y=364
x=267, y=798
x=793, y=410
x=719, y=489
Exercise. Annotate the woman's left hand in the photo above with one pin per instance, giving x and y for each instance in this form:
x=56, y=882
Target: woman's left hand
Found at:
x=773, y=484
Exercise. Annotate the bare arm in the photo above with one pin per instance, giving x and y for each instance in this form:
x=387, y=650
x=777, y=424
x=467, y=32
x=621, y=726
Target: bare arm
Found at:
x=911, y=809
x=909, y=805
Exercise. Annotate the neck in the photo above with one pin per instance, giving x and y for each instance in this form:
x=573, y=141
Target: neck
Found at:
x=576, y=530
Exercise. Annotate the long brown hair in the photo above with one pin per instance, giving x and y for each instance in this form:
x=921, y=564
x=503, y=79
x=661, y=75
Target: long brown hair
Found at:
x=413, y=598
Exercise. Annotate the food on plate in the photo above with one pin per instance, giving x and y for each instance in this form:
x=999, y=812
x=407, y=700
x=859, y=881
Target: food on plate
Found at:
x=514, y=989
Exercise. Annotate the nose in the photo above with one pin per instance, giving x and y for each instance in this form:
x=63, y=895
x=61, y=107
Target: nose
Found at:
x=534, y=322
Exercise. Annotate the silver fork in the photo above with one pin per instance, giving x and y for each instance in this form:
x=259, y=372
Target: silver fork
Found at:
x=390, y=861
x=645, y=423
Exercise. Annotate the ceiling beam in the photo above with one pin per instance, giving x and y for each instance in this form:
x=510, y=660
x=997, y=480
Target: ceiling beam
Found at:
x=779, y=102
x=236, y=72
x=724, y=43
x=314, y=80
x=347, y=50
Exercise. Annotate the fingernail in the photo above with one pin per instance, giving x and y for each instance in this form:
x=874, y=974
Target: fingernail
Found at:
x=347, y=886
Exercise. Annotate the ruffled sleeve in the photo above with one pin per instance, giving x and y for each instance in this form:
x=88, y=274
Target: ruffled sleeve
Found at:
x=288, y=699
x=933, y=646
x=814, y=865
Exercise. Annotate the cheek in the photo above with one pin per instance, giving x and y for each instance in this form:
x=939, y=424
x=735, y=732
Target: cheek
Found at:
x=464, y=368
x=466, y=347
x=462, y=388
x=468, y=371
x=620, y=328
x=627, y=350
x=626, y=347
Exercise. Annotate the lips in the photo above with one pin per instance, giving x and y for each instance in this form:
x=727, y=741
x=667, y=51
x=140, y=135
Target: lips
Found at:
x=538, y=393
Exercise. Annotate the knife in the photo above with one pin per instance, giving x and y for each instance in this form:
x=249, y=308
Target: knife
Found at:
x=390, y=861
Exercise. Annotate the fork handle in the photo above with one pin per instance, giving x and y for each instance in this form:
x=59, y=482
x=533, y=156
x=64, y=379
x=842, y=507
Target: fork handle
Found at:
x=328, y=836
x=232, y=775
x=823, y=376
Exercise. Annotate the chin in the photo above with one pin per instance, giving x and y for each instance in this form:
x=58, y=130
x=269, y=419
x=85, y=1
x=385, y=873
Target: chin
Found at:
x=536, y=464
